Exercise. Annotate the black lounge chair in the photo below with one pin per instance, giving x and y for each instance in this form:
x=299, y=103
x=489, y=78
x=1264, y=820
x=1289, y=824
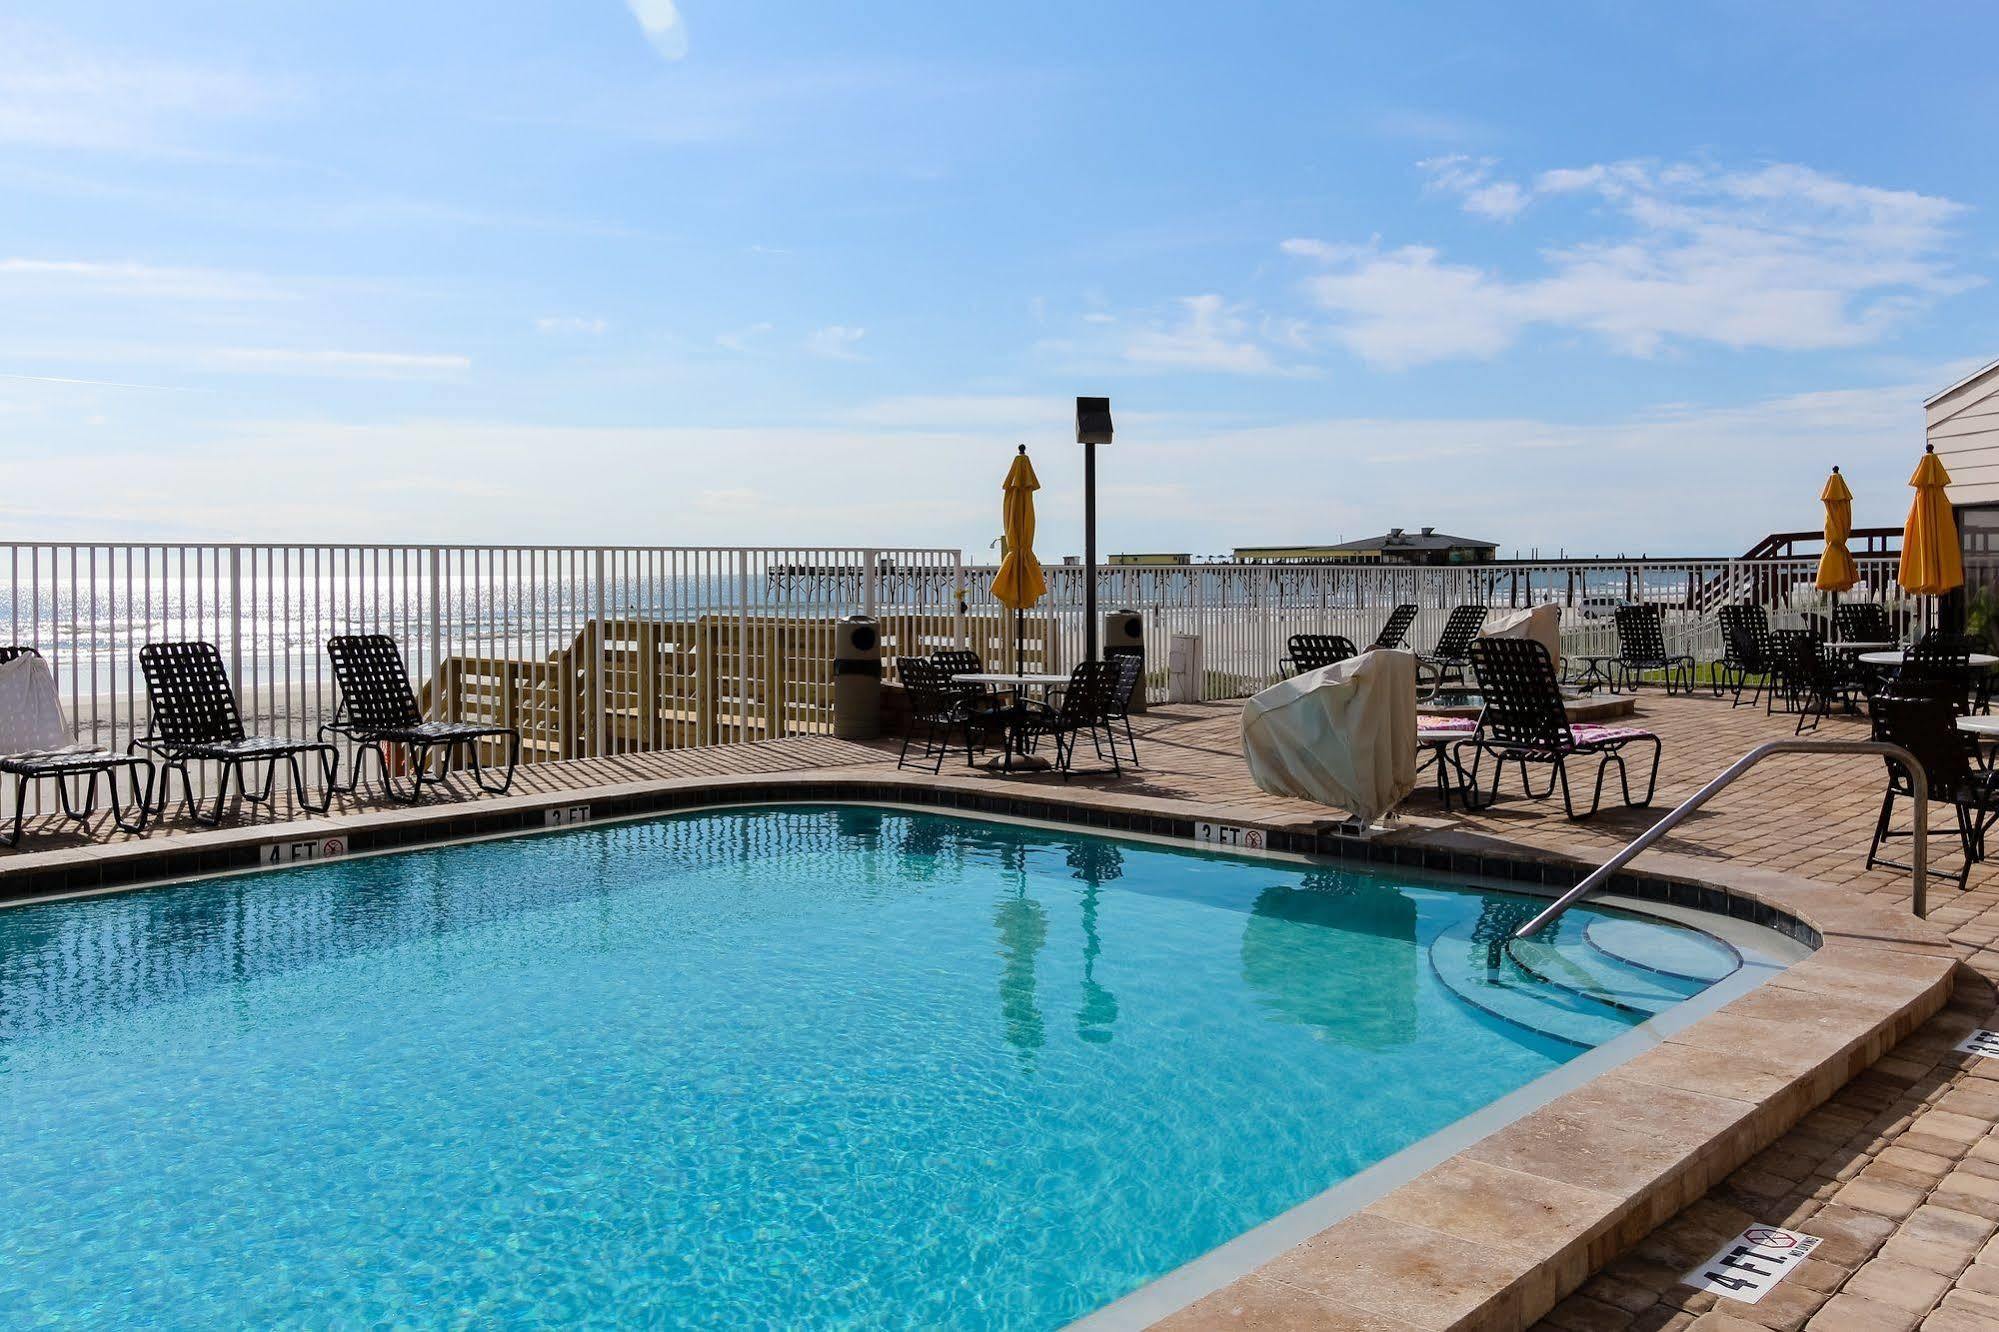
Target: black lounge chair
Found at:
x=1863, y=622
x=377, y=708
x=194, y=719
x=1395, y=630
x=1641, y=647
x=1309, y=652
x=1524, y=722
x=1087, y=705
x=1449, y=660
x=1743, y=664
x=1927, y=728
x=74, y=763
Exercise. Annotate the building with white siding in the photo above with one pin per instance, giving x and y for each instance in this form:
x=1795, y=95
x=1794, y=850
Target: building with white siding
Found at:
x=1962, y=424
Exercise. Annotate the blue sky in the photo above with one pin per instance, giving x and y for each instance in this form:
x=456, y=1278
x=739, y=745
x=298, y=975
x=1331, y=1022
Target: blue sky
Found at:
x=1607, y=278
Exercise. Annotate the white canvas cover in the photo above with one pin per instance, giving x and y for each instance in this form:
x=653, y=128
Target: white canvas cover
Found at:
x=31, y=720
x=1343, y=735
x=1543, y=624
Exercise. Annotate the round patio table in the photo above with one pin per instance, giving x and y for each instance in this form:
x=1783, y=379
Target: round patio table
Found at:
x=1011, y=759
x=1980, y=661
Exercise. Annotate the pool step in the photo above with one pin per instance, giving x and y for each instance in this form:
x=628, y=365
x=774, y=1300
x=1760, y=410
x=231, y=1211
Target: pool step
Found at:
x=1565, y=985
x=1683, y=955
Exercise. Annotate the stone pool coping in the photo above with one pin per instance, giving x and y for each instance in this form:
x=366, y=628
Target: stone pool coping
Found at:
x=1491, y=1238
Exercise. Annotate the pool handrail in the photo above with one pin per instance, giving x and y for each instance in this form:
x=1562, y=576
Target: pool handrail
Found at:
x=1918, y=858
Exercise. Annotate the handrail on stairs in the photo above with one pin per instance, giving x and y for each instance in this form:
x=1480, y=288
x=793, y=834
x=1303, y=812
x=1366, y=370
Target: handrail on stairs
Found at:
x=1918, y=858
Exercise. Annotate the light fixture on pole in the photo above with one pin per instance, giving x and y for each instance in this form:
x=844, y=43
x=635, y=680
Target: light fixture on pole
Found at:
x=1093, y=427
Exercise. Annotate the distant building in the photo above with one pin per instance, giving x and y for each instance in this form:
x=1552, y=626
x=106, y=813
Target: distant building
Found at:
x=1152, y=559
x=1397, y=546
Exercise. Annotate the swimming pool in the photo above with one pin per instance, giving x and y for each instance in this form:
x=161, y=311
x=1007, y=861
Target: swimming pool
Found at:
x=783, y=1066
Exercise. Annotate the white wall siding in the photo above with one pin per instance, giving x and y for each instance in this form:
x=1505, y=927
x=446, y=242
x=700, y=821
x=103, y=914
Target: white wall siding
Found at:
x=1963, y=423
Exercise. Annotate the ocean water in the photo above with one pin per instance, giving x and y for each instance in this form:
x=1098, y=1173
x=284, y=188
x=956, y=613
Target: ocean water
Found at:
x=800, y=1066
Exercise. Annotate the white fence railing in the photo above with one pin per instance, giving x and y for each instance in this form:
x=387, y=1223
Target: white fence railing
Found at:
x=589, y=650
x=595, y=651
x=1246, y=613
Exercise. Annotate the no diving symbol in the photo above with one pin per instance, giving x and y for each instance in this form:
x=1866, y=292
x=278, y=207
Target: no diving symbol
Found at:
x=1764, y=1238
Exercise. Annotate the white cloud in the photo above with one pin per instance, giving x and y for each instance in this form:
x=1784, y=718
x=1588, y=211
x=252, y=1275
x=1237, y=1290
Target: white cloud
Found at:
x=1778, y=257
x=570, y=324
x=54, y=94
x=1470, y=178
x=661, y=22
x=304, y=361
x=836, y=342
x=132, y=279
x=970, y=411
x=740, y=339
x=1210, y=336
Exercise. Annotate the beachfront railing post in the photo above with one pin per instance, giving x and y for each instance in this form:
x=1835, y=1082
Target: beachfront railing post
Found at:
x=870, y=581
x=594, y=732
x=436, y=595
x=236, y=623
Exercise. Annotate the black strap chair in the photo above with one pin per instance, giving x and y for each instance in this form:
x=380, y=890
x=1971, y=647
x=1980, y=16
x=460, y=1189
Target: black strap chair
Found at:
x=1927, y=728
x=1395, y=630
x=1309, y=652
x=193, y=719
x=377, y=708
x=1744, y=628
x=1130, y=662
x=70, y=765
x=1938, y=665
x=1863, y=622
x=1448, y=661
x=1809, y=679
x=1088, y=705
x=1641, y=648
x=1525, y=722
x=938, y=711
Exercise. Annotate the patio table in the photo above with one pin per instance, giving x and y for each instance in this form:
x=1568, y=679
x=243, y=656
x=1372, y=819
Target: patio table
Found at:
x=1980, y=661
x=1011, y=759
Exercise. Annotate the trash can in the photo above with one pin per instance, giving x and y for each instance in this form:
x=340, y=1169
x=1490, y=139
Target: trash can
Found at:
x=857, y=679
x=1124, y=635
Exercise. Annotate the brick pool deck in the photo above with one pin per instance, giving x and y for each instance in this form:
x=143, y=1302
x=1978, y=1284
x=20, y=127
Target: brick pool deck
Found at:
x=1898, y=1172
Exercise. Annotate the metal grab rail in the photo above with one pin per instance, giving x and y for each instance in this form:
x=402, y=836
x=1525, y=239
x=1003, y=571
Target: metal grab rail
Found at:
x=1918, y=858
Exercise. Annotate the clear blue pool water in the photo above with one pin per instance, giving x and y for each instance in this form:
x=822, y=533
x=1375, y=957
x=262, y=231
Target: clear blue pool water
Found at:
x=795, y=1066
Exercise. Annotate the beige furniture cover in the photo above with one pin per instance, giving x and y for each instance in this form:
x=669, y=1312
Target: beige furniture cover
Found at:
x=1543, y=624
x=31, y=719
x=1343, y=735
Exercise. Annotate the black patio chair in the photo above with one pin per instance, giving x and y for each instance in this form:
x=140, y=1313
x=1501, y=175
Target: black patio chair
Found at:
x=1448, y=661
x=377, y=709
x=1743, y=630
x=1395, y=630
x=1641, y=648
x=1309, y=652
x=1927, y=728
x=1524, y=722
x=193, y=719
x=1863, y=622
x=1938, y=665
x=1809, y=679
x=1131, y=673
x=73, y=763
x=1087, y=706
x=938, y=710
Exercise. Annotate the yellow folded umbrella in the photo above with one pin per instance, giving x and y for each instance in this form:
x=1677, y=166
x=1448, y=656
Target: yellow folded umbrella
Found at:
x=1931, y=562
x=1019, y=582
x=1837, y=572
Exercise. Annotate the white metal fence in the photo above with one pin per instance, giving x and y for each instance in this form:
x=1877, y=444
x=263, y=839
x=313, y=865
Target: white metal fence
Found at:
x=589, y=650
x=1246, y=613
x=594, y=651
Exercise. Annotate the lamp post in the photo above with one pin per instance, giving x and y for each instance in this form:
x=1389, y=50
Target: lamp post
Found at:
x=1093, y=427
